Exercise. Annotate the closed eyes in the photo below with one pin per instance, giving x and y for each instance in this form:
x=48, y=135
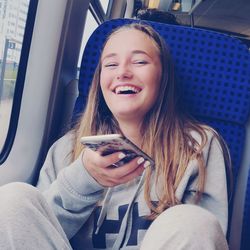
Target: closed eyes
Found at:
x=142, y=62
x=109, y=65
x=135, y=62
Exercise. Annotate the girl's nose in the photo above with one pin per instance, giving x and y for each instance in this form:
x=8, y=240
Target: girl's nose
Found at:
x=124, y=72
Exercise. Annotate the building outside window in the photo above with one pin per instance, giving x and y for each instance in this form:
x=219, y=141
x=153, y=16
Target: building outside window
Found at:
x=13, y=14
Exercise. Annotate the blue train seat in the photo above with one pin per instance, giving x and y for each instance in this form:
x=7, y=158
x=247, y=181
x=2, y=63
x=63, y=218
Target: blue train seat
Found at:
x=212, y=69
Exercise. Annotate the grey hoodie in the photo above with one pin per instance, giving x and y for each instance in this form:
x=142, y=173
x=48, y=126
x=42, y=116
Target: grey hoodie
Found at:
x=95, y=217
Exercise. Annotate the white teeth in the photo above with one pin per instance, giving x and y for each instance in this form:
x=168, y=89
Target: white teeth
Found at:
x=120, y=89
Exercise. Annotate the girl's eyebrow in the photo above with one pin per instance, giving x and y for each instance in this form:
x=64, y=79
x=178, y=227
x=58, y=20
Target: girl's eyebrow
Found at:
x=140, y=52
x=136, y=52
x=108, y=56
x=133, y=52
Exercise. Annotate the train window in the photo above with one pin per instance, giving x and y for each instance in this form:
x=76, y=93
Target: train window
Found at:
x=90, y=26
x=13, y=18
x=13, y=61
x=97, y=13
x=104, y=4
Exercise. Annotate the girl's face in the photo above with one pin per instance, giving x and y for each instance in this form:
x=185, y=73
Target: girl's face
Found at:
x=130, y=74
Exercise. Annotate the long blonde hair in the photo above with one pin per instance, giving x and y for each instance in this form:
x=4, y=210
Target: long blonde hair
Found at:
x=165, y=130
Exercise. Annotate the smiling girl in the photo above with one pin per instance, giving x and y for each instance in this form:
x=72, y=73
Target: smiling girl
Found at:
x=181, y=203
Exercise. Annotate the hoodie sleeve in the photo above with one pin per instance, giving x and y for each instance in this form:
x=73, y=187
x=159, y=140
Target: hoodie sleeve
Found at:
x=214, y=197
x=68, y=188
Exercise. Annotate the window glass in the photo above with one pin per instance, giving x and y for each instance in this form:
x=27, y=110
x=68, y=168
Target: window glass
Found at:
x=13, y=15
x=90, y=26
x=104, y=4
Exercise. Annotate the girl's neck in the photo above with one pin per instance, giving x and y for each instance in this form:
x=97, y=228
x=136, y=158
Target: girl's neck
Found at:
x=132, y=131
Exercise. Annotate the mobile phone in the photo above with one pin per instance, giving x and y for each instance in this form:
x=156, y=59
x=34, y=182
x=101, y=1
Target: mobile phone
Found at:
x=108, y=144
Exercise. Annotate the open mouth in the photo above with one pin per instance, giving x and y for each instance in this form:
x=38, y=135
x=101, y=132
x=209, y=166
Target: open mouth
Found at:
x=126, y=90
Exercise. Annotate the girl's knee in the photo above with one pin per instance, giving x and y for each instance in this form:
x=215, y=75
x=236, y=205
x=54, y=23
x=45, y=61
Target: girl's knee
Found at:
x=189, y=219
x=17, y=194
x=185, y=227
x=190, y=212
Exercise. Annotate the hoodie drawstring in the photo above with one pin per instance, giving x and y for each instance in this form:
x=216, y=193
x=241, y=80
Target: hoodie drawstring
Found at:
x=104, y=209
x=126, y=224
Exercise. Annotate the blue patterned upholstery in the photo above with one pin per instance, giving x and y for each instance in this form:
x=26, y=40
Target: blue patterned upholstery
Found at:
x=213, y=70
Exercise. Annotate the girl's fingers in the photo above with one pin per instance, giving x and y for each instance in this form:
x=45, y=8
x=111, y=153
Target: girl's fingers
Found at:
x=103, y=170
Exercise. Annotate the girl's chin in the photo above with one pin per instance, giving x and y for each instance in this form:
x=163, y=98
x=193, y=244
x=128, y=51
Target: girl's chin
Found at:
x=128, y=114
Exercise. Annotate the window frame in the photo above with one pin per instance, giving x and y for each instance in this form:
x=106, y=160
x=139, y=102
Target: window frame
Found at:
x=97, y=11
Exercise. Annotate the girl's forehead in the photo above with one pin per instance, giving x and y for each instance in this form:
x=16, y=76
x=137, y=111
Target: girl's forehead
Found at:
x=128, y=34
x=131, y=38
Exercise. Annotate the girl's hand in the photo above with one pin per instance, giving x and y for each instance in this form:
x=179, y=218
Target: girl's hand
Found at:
x=101, y=169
